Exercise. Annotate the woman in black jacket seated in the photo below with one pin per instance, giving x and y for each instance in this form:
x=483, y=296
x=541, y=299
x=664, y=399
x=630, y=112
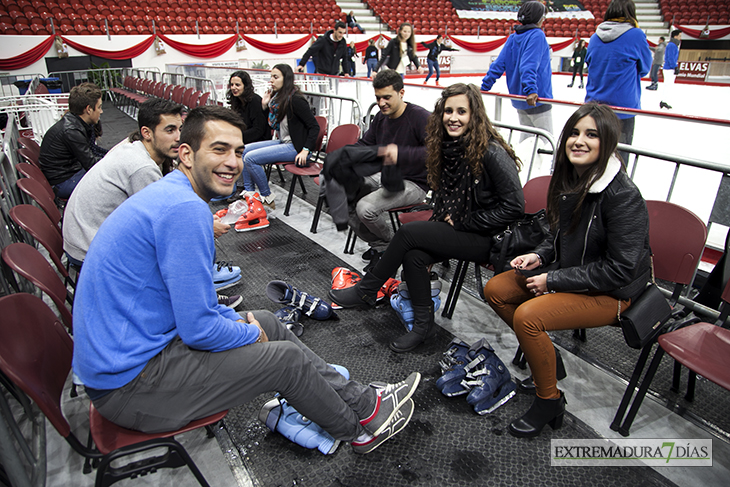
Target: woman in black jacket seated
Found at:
x=594, y=262
x=247, y=104
x=477, y=193
x=290, y=116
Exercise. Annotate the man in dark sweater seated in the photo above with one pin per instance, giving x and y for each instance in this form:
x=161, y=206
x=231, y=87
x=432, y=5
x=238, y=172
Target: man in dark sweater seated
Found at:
x=399, y=131
x=69, y=147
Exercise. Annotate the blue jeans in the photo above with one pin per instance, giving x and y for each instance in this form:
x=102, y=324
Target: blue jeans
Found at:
x=258, y=154
x=372, y=63
x=63, y=190
x=433, y=65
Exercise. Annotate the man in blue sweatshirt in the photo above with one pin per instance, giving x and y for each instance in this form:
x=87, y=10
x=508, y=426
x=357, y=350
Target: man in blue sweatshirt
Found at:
x=525, y=58
x=671, y=62
x=152, y=345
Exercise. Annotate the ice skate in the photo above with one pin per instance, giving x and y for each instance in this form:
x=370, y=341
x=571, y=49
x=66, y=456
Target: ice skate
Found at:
x=254, y=218
x=490, y=381
x=281, y=292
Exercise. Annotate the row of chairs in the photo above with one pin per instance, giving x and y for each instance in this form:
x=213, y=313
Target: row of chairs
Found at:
x=36, y=350
x=137, y=90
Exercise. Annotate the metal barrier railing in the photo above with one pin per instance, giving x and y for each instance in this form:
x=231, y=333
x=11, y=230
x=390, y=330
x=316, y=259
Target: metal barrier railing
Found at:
x=7, y=86
x=35, y=112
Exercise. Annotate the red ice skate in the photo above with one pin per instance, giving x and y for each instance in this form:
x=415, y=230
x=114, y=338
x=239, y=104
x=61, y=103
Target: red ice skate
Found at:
x=255, y=217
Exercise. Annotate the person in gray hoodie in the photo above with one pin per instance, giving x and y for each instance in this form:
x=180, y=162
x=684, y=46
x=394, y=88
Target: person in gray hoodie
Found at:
x=658, y=61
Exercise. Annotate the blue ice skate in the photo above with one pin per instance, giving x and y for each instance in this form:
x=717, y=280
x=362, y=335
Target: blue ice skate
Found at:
x=290, y=317
x=279, y=415
x=490, y=382
x=281, y=292
x=404, y=308
x=454, y=356
x=452, y=382
x=401, y=302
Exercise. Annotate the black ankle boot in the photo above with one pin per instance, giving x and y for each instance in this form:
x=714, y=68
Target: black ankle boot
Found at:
x=362, y=294
x=528, y=385
x=542, y=412
x=424, y=328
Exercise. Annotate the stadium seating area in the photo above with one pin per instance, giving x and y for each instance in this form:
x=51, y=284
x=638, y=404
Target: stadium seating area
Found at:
x=86, y=17
x=696, y=12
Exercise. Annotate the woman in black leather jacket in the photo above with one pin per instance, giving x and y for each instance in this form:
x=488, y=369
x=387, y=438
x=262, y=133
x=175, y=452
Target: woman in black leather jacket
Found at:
x=477, y=193
x=400, y=51
x=594, y=262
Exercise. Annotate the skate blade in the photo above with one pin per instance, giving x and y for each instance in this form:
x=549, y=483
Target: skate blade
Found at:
x=505, y=396
x=256, y=226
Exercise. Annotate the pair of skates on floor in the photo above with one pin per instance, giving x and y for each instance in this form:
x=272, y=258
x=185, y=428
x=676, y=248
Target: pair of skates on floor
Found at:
x=245, y=215
x=477, y=372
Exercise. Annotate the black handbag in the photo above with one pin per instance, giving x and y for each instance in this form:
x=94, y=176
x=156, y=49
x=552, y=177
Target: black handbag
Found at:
x=643, y=321
x=520, y=237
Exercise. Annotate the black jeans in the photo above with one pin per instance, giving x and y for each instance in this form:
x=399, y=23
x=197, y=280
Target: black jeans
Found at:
x=417, y=245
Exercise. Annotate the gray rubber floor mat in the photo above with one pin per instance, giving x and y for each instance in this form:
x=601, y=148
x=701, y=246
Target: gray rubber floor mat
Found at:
x=446, y=443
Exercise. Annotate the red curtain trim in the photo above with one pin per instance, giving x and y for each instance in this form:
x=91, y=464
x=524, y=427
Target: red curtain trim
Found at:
x=559, y=46
x=714, y=33
x=27, y=58
x=132, y=52
x=479, y=46
x=203, y=51
x=282, y=48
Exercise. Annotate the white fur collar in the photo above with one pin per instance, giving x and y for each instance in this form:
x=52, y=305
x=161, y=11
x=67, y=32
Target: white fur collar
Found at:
x=612, y=169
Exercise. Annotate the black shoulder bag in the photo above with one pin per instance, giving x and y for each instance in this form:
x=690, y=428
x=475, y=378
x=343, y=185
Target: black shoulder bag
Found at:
x=520, y=237
x=643, y=321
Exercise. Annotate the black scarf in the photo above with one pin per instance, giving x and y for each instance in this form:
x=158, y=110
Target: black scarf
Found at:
x=456, y=180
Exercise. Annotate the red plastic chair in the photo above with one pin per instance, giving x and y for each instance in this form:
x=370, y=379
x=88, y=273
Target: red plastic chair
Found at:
x=341, y=136
x=29, y=263
x=34, y=221
x=702, y=347
x=31, y=171
x=676, y=256
x=35, y=190
x=536, y=191
x=36, y=354
x=28, y=156
x=31, y=145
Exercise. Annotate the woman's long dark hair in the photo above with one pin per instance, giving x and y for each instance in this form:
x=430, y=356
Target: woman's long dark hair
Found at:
x=565, y=179
x=411, y=40
x=238, y=102
x=288, y=89
x=479, y=132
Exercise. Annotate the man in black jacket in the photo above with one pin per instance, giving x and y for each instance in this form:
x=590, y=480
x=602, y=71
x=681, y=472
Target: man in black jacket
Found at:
x=69, y=149
x=328, y=52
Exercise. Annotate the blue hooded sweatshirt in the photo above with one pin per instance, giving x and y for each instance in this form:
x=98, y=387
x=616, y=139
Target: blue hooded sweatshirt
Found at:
x=671, y=54
x=526, y=59
x=618, y=56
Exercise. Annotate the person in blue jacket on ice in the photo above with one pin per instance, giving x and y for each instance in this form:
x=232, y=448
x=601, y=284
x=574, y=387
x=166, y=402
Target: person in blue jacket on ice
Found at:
x=618, y=56
x=526, y=60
